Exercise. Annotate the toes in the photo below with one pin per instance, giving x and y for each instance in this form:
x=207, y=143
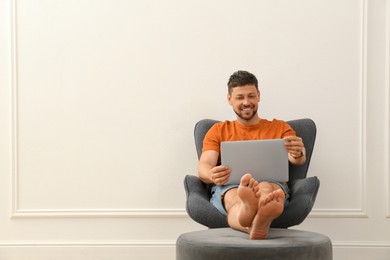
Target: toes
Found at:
x=245, y=180
x=253, y=184
x=270, y=197
x=279, y=195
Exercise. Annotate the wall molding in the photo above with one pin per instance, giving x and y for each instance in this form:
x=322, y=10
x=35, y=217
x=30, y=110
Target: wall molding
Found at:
x=14, y=94
x=363, y=110
x=18, y=212
x=162, y=243
x=99, y=213
x=167, y=243
x=110, y=243
x=338, y=213
x=387, y=110
x=361, y=244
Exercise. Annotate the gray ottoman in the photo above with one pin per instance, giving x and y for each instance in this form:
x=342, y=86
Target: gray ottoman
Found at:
x=226, y=243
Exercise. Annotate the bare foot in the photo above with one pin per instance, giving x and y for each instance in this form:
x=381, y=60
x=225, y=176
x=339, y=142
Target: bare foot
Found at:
x=249, y=202
x=269, y=208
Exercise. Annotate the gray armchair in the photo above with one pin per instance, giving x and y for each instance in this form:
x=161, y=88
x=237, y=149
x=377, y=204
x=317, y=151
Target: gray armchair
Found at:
x=303, y=190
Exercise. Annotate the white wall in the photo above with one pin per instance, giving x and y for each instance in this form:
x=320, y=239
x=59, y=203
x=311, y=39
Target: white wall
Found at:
x=98, y=100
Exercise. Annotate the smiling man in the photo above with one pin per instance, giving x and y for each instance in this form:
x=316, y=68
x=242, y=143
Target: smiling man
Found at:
x=250, y=206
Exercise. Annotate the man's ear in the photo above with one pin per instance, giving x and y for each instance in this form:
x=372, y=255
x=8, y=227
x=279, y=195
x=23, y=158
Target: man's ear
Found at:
x=229, y=98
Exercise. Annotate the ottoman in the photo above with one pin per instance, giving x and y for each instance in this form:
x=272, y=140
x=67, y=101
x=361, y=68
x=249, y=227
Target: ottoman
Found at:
x=229, y=244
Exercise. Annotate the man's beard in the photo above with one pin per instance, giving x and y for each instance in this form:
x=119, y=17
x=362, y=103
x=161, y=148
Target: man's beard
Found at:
x=248, y=117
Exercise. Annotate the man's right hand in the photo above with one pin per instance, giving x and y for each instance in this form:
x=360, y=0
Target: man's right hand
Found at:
x=209, y=172
x=220, y=174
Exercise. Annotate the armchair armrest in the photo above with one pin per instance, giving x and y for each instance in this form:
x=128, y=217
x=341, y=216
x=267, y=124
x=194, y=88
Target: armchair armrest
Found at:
x=303, y=193
x=198, y=204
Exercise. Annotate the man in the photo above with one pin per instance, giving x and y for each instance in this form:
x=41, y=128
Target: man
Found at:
x=250, y=206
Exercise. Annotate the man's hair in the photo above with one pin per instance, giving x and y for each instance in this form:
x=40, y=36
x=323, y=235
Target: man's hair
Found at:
x=241, y=78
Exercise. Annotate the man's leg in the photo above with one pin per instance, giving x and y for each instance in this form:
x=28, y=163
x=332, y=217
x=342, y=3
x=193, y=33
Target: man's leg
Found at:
x=253, y=206
x=241, y=204
x=270, y=207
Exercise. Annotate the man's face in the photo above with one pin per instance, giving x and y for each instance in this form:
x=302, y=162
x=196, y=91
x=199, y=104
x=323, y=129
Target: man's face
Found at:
x=245, y=101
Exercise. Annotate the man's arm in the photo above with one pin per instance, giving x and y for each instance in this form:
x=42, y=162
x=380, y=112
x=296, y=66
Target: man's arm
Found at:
x=296, y=150
x=209, y=172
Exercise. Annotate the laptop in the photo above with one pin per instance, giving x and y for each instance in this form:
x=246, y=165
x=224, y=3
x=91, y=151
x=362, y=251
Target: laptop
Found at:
x=266, y=160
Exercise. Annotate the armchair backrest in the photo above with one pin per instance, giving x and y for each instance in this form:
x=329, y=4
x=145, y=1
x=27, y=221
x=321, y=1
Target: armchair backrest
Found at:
x=304, y=128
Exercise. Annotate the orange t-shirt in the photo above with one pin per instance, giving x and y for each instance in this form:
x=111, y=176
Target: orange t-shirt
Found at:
x=234, y=131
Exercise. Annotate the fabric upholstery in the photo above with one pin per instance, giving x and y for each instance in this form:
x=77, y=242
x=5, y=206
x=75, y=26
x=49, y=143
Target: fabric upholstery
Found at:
x=229, y=244
x=303, y=190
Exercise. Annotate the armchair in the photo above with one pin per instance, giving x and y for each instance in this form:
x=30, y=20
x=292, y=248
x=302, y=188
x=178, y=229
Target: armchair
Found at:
x=303, y=189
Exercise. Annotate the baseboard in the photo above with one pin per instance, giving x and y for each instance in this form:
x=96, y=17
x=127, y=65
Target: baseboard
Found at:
x=140, y=250
x=361, y=250
x=146, y=250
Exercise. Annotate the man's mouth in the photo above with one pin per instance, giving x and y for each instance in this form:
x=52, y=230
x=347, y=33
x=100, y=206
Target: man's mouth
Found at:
x=246, y=113
x=247, y=109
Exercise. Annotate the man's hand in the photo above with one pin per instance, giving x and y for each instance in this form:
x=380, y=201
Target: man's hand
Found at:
x=220, y=174
x=209, y=172
x=295, y=149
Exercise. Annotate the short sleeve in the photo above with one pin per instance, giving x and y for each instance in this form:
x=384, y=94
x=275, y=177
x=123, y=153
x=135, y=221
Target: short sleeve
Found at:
x=211, y=140
x=287, y=130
